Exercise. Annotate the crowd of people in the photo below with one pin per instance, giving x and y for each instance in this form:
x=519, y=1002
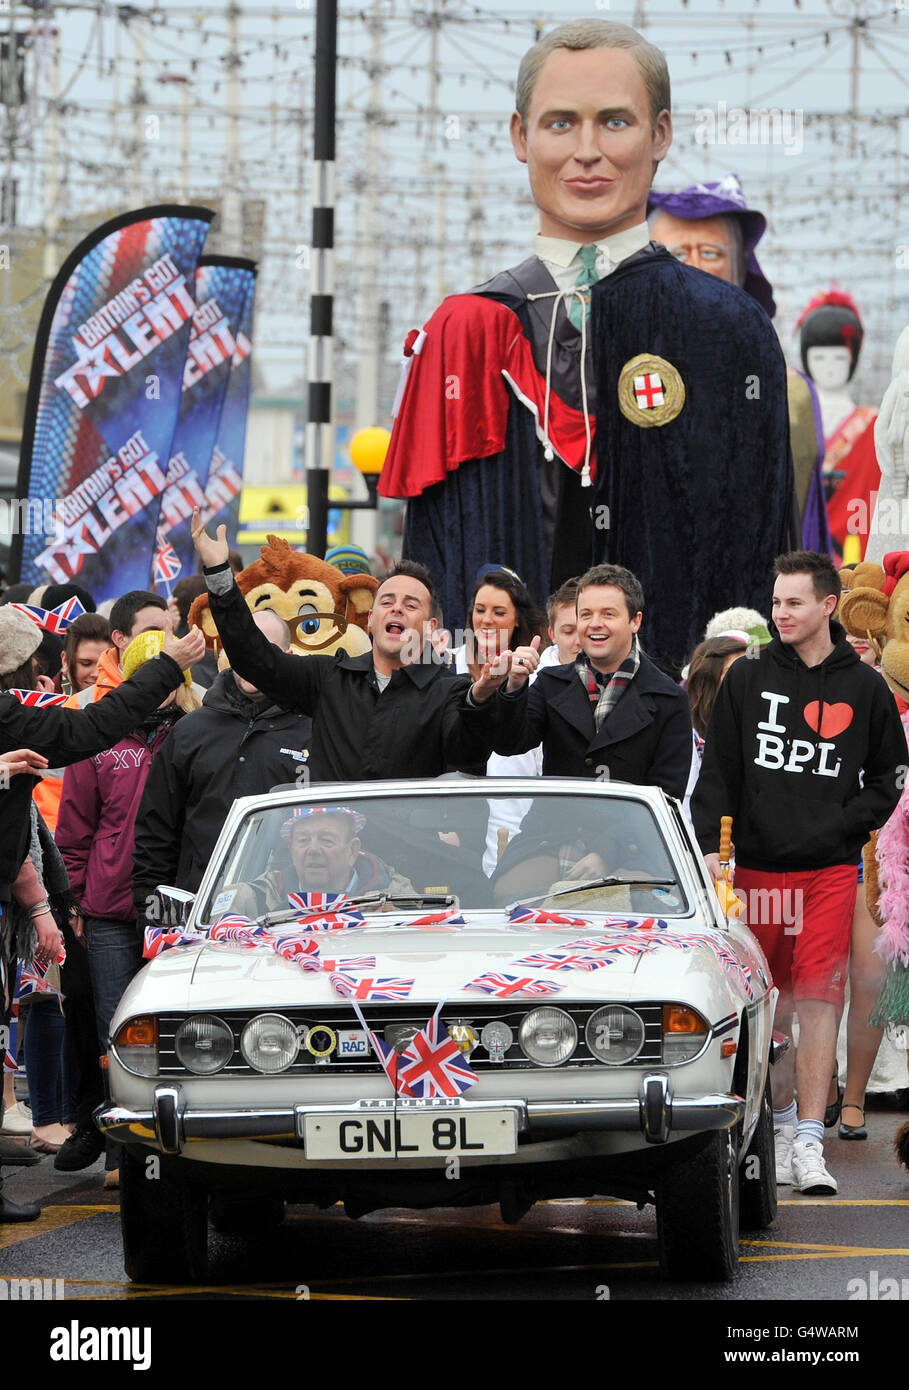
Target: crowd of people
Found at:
x=128, y=772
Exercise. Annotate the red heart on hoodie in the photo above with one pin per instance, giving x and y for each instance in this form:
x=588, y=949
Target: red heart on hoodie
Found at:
x=835, y=719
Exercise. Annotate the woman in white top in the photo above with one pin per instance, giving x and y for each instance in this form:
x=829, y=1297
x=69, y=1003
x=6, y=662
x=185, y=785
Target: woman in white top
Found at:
x=501, y=616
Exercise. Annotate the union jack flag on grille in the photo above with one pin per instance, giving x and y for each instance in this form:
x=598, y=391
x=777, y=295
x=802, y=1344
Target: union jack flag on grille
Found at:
x=167, y=564
x=53, y=619
x=383, y=1050
x=432, y=1064
x=560, y=960
x=38, y=699
x=504, y=986
x=538, y=917
x=376, y=988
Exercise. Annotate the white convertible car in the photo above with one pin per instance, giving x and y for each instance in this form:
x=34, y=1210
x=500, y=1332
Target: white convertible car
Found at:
x=351, y=1009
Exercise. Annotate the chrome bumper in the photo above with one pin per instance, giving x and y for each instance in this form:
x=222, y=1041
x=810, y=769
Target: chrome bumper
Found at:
x=655, y=1113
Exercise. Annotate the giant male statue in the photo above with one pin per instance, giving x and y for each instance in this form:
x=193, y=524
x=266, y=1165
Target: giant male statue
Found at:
x=599, y=401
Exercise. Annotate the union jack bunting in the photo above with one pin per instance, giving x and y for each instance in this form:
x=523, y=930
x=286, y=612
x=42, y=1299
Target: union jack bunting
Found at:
x=504, y=986
x=38, y=699
x=560, y=960
x=340, y=966
x=316, y=902
x=442, y=920
x=432, y=1064
x=298, y=948
x=538, y=917
x=53, y=619
x=241, y=931
x=158, y=939
x=167, y=564
x=371, y=988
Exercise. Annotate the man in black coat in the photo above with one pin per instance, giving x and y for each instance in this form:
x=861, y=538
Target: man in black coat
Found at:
x=612, y=714
x=238, y=744
x=392, y=712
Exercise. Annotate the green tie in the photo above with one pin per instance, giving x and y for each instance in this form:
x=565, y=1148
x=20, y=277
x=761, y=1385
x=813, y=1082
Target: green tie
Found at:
x=587, y=277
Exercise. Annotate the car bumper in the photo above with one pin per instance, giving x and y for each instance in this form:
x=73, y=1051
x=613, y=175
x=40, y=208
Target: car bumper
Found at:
x=655, y=1113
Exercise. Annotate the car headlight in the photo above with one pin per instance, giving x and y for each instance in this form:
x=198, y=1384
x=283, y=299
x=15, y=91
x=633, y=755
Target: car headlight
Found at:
x=684, y=1033
x=136, y=1045
x=269, y=1043
x=615, y=1034
x=548, y=1037
x=204, y=1044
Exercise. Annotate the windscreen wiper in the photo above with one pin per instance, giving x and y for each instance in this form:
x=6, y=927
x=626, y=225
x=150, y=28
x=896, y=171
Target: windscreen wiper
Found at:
x=611, y=882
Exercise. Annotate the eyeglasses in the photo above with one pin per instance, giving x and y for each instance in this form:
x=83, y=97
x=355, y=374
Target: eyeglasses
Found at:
x=316, y=630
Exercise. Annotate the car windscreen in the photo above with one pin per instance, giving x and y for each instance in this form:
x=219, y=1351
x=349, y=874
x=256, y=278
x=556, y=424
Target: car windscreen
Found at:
x=605, y=853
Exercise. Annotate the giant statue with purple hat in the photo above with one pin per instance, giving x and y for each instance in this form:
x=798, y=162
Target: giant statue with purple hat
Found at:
x=599, y=401
x=711, y=227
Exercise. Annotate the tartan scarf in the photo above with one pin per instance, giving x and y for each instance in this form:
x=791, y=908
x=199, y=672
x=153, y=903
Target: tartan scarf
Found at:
x=605, y=692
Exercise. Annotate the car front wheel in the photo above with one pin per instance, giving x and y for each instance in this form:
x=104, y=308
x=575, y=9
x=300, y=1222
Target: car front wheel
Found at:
x=164, y=1223
x=697, y=1205
x=757, y=1175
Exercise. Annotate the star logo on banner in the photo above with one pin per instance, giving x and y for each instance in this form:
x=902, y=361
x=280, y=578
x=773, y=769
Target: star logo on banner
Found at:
x=92, y=364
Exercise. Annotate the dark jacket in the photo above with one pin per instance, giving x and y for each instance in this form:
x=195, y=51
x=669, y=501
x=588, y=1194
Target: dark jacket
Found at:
x=806, y=760
x=419, y=726
x=64, y=736
x=646, y=739
x=101, y=797
x=233, y=746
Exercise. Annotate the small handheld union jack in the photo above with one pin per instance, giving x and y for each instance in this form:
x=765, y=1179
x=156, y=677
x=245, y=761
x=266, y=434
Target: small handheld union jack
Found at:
x=167, y=565
x=505, y=986
x=432, y=1064
x=53, y=619
x=38, y=699
x=384, y=989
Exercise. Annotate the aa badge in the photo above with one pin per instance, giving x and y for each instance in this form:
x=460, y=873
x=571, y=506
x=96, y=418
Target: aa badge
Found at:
x=651, y=391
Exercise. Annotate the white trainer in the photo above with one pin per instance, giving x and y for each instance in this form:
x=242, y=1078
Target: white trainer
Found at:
x=809, y=1172
x=17, y=1119
x=783, y=1136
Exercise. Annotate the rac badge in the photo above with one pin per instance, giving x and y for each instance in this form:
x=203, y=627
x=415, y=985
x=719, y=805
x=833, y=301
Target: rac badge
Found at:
x=651, y=391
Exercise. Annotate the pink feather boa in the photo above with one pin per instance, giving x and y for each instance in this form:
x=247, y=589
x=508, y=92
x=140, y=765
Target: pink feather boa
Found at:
x=893, y=867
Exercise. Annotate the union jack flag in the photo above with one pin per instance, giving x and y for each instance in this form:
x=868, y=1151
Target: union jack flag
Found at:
x=38, y=699
x=309, y=903
x=53, y=619
x=233, y=927
x=383, y=1050
x=558, y=960
x=442, y=920
x=33, y=977
x=11, y=1055
x=379, y=988
x=167, y=564
x=432, y=1064
x=537, y=917
x=158, y=939
x=298, y=948
x=504, y=986
x=320, y=911
x=342, y=964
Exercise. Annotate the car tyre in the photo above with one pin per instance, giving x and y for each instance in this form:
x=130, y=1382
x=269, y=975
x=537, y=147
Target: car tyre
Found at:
x=232, y=1216
x=164, y=1224
x=757, y=1191
x=697, y=1205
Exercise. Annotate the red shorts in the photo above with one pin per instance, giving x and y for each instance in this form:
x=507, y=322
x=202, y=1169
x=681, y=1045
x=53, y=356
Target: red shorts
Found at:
x=803, y=921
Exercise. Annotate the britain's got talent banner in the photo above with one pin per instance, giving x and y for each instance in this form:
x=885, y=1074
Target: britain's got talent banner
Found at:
x=104, y=398
x=225, y=477
x=217, y=344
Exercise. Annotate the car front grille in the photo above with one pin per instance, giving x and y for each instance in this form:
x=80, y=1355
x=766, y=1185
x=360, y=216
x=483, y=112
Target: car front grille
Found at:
x=381, y=1016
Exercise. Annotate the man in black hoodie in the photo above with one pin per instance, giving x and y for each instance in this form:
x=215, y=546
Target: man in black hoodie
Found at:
x=805, y=751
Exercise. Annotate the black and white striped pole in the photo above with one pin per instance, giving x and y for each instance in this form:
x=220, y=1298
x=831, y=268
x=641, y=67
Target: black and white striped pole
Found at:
x=320, y=434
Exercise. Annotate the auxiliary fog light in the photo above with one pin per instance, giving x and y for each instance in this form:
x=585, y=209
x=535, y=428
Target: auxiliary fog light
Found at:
x=548, y=1037
x=269, y=1043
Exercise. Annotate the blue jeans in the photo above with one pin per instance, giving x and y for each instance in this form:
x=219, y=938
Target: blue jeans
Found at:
x=114, y=957
x=45, y=1062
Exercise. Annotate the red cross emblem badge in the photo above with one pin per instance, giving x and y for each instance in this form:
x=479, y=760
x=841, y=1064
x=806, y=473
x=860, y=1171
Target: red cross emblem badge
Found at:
x=648, y=391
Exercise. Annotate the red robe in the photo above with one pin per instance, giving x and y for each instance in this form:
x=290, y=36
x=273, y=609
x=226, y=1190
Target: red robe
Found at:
x=851, y=447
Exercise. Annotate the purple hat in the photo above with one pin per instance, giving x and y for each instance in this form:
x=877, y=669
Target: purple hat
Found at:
x=723, y=198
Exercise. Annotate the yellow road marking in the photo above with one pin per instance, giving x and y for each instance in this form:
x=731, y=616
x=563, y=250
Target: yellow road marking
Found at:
x=844, y=1202
x=51, y=1219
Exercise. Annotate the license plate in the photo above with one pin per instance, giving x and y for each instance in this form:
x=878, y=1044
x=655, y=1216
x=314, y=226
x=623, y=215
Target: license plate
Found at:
x=414, y=1134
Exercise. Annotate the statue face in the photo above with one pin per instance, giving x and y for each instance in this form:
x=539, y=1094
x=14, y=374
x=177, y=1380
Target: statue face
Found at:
x=829, y=367
x=704, y=243
x=588, y=144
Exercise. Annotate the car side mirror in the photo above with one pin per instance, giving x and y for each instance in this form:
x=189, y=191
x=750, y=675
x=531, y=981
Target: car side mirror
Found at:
x=169, y=907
